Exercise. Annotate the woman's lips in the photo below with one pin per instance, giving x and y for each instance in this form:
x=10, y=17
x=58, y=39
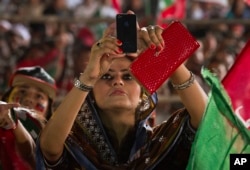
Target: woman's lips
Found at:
x=118, y=92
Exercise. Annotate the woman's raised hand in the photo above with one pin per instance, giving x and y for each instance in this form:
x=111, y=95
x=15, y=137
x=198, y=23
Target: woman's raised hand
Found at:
x=150, y=37
x=109, y=47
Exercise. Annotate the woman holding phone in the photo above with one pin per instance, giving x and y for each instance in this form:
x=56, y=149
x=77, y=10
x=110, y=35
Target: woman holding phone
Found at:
x=101, y=123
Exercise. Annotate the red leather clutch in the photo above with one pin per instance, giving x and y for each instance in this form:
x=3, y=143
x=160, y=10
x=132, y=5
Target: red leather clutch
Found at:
x=151, y=69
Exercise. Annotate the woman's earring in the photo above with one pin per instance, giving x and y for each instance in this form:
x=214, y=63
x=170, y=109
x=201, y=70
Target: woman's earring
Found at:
x=144, y=104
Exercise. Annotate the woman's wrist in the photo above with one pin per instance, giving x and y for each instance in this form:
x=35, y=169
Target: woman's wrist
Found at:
x=84, y=83
x=185, y=84
x=87, y=80
x=83, y=87
x=182, y=78
x=180, y=75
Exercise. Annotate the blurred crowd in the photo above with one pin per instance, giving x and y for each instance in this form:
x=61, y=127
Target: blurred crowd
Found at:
x=62, y=48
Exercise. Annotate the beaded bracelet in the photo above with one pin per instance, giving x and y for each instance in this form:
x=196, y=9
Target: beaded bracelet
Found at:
x=78, y=84
x=186, y=84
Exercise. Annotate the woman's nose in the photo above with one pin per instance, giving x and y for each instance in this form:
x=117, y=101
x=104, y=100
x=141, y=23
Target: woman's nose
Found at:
x=118, y=81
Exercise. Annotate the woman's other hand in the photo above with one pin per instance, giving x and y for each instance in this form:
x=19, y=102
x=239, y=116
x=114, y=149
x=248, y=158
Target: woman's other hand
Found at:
x=150, y=37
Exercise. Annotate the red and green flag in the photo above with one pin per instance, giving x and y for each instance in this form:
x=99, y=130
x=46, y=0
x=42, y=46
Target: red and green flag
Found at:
x=225, y=128
x=171, y=9
x=237, y=85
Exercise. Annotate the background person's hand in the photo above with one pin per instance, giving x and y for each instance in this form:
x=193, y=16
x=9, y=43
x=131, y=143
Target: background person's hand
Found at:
x=6, y=120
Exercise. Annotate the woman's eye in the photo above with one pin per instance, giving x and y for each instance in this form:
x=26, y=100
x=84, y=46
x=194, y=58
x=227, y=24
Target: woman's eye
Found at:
x=38, y=96
x=22, y=91
x=127, y=77
x=106, y=77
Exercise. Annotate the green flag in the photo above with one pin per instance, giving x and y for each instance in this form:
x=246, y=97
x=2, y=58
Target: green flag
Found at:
x=220, y=133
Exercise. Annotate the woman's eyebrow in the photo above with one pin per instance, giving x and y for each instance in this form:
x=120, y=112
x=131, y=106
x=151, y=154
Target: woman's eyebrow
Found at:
x=122, y=70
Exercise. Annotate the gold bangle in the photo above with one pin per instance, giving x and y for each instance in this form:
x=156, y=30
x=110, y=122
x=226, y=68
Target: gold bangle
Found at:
x=186, y=84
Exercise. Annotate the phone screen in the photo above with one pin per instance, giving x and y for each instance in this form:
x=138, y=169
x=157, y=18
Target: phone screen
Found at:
x=126, y=32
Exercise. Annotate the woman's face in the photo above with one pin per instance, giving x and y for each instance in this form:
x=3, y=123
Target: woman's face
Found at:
x=117, y=89
x=31, y=97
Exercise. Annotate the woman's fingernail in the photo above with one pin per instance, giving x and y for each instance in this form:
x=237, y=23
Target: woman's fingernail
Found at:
x=158, y=48
x=152, y=46
x=120, y=50
x=119, y=42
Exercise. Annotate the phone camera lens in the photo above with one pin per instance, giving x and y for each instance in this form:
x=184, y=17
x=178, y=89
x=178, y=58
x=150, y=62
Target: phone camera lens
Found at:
x=126, y=23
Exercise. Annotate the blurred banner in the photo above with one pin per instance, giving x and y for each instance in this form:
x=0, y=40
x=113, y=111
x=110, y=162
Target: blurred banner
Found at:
x=219, y=2
x=237, y=85
x=171, y=9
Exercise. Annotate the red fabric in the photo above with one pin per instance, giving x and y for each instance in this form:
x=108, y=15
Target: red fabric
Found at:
x=87, y=36
x=237, y=85
x=177, y=10
x=9, y=158
x=116, y=5
x=53, y=54
x=247, y=2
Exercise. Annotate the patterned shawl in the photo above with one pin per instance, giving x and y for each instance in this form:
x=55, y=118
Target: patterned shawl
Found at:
x=89, y=145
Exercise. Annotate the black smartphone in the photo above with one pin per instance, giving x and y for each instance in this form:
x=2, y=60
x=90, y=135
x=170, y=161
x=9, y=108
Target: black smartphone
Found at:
x=127, y=32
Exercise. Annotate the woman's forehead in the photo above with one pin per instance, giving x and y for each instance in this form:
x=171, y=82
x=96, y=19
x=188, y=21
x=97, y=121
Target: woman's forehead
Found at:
x=120, y=64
